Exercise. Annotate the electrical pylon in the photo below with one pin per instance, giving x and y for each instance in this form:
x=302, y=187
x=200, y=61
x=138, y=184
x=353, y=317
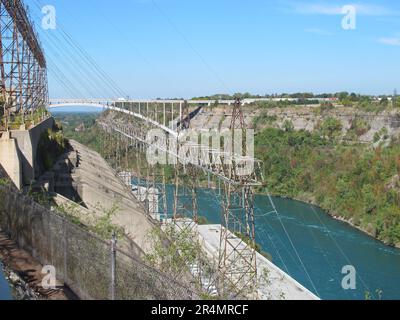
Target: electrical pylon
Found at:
x=238, y=257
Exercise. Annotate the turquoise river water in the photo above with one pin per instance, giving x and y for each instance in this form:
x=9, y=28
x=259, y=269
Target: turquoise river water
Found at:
x=5, y=290
x=313, y=248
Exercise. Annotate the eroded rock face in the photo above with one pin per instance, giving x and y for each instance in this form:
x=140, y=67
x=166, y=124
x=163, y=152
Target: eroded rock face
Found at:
x=382, y=124
x=394, y=184
x=308, y=118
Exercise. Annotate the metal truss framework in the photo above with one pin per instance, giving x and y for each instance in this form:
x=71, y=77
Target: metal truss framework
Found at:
x=238, y=259
x=237, y=266
x=22, y=62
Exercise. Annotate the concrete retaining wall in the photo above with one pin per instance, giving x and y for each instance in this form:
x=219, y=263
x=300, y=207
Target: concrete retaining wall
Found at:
x=28, y=141
x=18, y=153
x=10, y=159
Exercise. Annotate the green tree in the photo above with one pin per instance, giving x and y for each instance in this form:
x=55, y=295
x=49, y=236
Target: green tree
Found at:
x=331, y=128
x=384, y=101
x=346, y=102
x=342, y=95
x=288, y=126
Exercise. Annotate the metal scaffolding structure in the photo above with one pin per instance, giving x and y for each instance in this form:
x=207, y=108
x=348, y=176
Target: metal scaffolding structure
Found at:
x=237, y=266
x=22, y=63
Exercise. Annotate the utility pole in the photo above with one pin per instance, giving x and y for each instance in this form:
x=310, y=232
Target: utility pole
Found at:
x=394, y=100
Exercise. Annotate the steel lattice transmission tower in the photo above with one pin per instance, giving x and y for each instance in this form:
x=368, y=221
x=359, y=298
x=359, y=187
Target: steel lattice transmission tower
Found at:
x=22, y=63
x=238, y=257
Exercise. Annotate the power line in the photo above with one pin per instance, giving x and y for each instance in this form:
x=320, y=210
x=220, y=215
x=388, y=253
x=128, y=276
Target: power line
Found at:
x=321, y=248
x=96, y=66
x=96, y=76
x=59, y=49
x=67, y=36
x=291, y=243
x=338, y=246
x=74, y=72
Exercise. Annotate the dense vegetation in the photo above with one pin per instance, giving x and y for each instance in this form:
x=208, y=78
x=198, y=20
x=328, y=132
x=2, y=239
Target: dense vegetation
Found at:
x=51, y=146
x=356, y=182
x=88, y=134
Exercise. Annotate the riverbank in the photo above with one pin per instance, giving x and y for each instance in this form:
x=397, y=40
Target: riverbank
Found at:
x=334, y=215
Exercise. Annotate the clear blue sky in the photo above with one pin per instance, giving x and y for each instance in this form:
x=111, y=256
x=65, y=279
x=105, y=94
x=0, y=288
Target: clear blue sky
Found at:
x=185, y=48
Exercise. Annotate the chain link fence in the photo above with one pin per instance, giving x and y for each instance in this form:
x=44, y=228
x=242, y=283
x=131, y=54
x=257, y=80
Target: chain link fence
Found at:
x=91, y=267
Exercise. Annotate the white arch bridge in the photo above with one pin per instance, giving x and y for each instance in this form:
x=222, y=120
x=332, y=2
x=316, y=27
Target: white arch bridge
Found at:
x=165, y=114
x=102, y=103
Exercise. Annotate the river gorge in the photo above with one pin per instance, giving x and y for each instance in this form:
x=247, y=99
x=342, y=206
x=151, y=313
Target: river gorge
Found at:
x=313, y=248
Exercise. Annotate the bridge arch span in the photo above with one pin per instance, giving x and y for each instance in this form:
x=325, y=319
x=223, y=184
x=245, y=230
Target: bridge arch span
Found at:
x=92, y=105
x=111, y=107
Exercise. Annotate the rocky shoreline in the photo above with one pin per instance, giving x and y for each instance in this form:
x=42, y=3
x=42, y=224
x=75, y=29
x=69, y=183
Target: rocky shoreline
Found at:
x=20, y=290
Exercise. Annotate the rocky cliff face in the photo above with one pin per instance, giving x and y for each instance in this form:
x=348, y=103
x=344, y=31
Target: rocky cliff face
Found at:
x=356, y=124
x=365, y=126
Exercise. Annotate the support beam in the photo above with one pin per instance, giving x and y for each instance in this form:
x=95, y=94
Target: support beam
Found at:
x=22, y=65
